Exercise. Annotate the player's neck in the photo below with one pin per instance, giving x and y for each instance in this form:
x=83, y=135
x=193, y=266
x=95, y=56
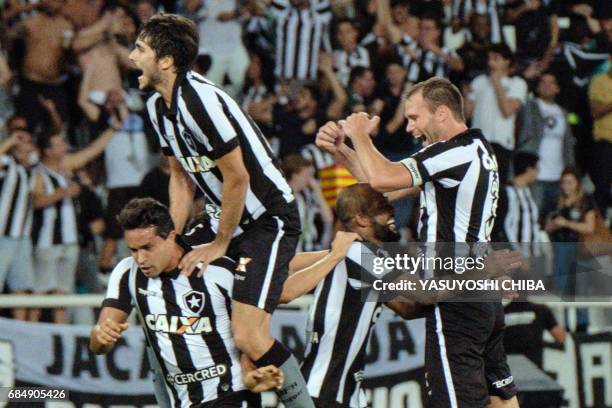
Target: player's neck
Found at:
x=453, y=129
x=165, y=87
x=175, y=258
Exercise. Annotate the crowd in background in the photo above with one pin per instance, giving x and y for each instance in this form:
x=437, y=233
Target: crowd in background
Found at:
x=536, y=76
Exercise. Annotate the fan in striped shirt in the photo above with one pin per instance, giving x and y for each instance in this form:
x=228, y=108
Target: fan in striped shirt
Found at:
x=186, y=319
x=16, y=268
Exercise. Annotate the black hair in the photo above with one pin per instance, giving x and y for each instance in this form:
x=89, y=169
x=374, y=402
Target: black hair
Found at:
x=523, y=161
x=145, y=213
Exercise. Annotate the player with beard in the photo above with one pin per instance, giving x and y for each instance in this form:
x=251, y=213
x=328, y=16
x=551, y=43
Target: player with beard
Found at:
x=340, y=322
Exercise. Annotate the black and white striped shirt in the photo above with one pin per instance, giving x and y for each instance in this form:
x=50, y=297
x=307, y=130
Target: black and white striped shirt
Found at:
x=520, y=213
x=56, y=224
x=421, y=65
x=463, y=9
x=460, y=188
x=581, y=61
x=300, y=35
x=339, y=328
x=345, y=61
x=320, y=159
x=15, y=199
x=202, y=125
x=187, y=322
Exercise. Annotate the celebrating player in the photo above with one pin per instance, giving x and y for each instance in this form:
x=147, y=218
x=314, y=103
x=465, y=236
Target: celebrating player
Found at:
x=217, y=147
x=465, y=361
x=187, y=319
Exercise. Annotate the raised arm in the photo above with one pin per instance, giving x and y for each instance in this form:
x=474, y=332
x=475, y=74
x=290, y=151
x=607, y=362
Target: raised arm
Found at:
x=382, y=174
x=304, y=280
x=74, y=161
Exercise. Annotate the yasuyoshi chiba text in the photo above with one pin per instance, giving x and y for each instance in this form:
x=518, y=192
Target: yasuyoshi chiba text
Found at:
x=460, y=285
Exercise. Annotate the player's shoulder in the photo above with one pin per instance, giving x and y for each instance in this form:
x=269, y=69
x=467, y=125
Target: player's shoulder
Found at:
x=125, y=265
x=152, y=100
x=359, y=251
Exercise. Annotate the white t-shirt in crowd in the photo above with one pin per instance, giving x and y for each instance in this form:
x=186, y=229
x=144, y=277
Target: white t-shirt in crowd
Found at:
x=551, y=149
x=219, y=37
x=127, y=159
x=487, y=113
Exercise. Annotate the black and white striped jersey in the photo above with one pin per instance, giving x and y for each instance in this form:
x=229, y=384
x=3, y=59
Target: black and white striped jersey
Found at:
x=421, y=65
x=582, y=61
x=520, y=219
x=339, y=328
x=202, y=125
x=316, y=234
x=320, y=159
x=56, y=224
x=463, y=9
x=187, y=320
x=15, y=199
x=460, y=188
x=300, y=35
x=345, y=61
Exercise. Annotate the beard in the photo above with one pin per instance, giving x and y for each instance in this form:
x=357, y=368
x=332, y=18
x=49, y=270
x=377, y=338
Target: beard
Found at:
x=386, y=232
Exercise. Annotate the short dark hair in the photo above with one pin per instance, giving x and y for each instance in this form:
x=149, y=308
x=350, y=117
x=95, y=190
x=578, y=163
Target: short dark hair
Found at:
x=146, y=213
x=523, y=161
x=503, y=50
x=171, y=35
x=294, y=163
x=43, y=140
x=439, y=91
x=357, y=72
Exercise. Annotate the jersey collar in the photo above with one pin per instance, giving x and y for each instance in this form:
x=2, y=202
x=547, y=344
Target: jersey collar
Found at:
x=171, y=112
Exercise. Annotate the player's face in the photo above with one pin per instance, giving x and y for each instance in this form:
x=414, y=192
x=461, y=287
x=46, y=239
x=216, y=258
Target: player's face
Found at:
x=421, y=122
x=145, y=60
x=151, y=252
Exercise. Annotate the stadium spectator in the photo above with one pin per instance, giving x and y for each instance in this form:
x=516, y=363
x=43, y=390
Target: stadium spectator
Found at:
x=543, y=130
x=600, y=98
x=517, y=212
x=127, y=161
x=474, y=52
x=54, y=229
x=221, y=33
x=155, y=183
x=6, y=98
x=316, y=217
x=298, y=120
x=537, y=30
x=525, y=326
x=16, y=268
x=295, y=22
x=492, y=10
x=145, y=9
x=361, y=90
x=493, y=102
x=575, y=215
x=47, y=37
x=349, y=54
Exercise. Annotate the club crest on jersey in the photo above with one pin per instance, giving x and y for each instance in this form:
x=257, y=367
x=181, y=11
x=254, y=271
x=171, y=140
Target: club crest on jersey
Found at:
x=242, y=263
x=188, y=138
x=194, y=301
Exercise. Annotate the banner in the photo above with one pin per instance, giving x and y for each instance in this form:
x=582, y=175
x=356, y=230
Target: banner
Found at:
x=58, y=356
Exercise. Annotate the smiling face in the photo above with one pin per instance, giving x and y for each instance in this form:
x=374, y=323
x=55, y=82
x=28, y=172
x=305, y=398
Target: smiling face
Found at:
x=421, y=121
x=146, y=61
x=152, y=252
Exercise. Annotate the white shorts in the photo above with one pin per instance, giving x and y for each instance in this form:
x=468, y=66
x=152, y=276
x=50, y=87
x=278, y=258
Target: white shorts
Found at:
x=16, y=266
x=55, y=268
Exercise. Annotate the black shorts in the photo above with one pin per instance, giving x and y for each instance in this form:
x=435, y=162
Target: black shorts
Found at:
x=465, y=360
x=241, y=399
x=117, y=199
x=263, y=253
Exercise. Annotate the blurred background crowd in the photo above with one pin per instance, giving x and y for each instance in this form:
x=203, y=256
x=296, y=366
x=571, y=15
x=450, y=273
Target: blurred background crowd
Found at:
x=536, y=76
